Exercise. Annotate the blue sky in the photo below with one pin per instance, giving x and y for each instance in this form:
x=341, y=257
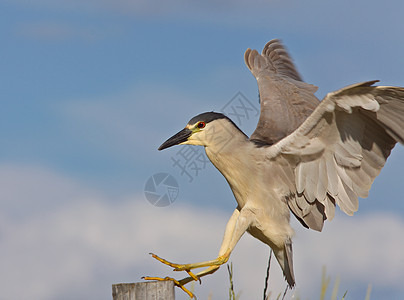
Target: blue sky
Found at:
x=89, y=90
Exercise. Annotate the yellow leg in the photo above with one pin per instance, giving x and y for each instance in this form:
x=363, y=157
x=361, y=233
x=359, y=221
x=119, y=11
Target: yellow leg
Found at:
x=235, y=228
x=212, y=264
x=207, y=271
x=187, y=267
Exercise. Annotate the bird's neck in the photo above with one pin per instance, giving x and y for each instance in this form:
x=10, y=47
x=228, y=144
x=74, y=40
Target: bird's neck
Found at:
x=231, y=158
x=224, y=144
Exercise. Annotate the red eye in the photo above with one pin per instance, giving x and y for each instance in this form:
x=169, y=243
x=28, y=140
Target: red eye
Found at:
x=201, y=125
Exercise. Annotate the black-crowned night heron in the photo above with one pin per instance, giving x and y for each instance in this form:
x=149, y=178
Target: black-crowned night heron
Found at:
x=305, y=156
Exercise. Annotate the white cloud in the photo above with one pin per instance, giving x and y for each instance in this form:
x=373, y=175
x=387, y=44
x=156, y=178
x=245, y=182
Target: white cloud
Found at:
x=361, y=249
x=85, y=243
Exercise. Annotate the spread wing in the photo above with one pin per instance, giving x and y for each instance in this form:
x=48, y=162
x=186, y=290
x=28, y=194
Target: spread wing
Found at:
x=335, y=155
x=286, y=101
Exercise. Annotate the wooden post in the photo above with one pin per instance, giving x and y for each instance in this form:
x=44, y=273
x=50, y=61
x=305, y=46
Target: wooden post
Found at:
x=151, y=290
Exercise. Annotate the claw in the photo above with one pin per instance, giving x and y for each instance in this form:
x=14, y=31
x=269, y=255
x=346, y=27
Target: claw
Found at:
x=166, y=262
x=176, y=282
x=194, y=277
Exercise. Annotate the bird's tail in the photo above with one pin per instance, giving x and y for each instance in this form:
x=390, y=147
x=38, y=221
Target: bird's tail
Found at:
x=285, y=260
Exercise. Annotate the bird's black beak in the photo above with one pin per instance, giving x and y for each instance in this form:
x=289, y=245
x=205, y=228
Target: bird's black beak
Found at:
x=177, y=138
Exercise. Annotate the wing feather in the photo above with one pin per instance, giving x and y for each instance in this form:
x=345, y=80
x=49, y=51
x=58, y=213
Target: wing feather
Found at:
x=322, y=182
x=340, y=149
x=280, y=59
x=310, y=187
x=300, y=178
x=329, y=207
x=332, y=177
x=286, y=101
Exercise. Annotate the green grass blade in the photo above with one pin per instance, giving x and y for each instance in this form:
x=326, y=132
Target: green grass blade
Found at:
x=368, y=291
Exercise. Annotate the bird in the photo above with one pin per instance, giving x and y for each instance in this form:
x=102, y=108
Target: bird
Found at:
x=304, y=158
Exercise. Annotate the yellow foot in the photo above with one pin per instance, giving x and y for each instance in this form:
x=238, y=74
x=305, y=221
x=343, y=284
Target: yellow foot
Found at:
x=176, y=282
x=177, y=267
x=187, y=267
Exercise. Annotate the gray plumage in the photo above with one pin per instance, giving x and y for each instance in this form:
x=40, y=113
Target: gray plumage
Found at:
x=286, y=101
x=312, y=156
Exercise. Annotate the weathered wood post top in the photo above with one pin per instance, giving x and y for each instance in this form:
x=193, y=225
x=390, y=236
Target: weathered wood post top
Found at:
x=152, y=290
